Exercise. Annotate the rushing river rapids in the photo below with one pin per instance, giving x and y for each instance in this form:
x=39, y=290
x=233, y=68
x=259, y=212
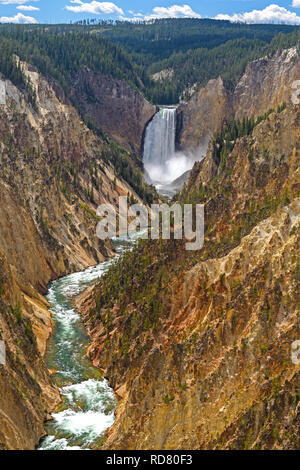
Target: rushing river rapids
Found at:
x=88, y=403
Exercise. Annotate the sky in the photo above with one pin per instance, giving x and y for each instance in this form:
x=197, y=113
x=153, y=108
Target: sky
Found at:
x=64, y=11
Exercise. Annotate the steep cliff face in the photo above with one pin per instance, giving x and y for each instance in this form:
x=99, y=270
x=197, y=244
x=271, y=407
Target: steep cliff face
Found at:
x=114, y=105
x=266, y=84
x=202, y=116
x=54, y=173
x=200, y=358
x=27, y=393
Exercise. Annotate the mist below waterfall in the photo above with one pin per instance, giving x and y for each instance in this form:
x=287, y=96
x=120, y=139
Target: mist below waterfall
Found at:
x=162, y=164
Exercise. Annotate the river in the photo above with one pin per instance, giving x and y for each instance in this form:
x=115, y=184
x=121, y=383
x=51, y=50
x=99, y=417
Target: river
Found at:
x=88, y=405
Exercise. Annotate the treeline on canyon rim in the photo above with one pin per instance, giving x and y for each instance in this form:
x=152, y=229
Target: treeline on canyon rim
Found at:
x=193, y=50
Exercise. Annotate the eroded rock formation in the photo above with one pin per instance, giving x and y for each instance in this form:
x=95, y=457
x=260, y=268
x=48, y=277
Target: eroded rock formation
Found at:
x=114, y=105
x=200, y=358
x=266, y=84
x=54, y=172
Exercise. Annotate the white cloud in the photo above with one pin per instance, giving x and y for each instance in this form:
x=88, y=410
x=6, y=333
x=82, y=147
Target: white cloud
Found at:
x=175, y=11
x=131, y=18
x=296, y=3
x=271, y=14
x=135, y=14
x=95, y=8
x=16, y=2
x=27, y=8
x=19, y=18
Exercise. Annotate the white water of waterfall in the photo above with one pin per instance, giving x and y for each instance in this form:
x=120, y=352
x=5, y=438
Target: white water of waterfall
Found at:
x=159, y=142
x=162, y=163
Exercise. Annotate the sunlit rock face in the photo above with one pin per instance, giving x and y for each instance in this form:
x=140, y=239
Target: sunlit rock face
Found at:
x=52, y=178
x=207, y=359
x=266, y=84
x=202, y=116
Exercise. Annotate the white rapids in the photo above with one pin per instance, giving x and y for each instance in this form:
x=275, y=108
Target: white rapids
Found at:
x=88, y=403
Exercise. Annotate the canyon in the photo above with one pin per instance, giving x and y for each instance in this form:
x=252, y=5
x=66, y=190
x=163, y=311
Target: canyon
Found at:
x=54, y=173
x=196, y=347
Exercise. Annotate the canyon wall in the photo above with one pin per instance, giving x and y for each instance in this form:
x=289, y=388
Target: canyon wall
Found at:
x=121, y=111
x=27, y=392
x=198, y=346
x=203, y=115
x=54, y=173
x=265, y=85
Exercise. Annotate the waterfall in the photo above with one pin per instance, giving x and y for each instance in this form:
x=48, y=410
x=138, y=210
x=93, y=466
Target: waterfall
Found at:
x=164, y=167
x=159, y=144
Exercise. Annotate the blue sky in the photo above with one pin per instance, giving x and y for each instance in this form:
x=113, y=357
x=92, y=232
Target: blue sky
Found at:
x=58, y=11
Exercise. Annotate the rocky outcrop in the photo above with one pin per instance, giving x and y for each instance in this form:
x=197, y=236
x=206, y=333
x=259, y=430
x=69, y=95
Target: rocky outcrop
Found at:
x=202, y=117
x=54, y=172
x=165, y=74
x=265, y=85
x=200, y=358
x=115, y=106
x=27, y=392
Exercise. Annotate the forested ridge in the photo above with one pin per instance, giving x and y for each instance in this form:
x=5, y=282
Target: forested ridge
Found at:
x=194, y=50
x=158, y=39
x=58, y=55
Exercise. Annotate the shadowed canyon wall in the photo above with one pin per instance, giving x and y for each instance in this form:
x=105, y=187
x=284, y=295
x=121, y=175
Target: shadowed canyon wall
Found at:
x=114, y=105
